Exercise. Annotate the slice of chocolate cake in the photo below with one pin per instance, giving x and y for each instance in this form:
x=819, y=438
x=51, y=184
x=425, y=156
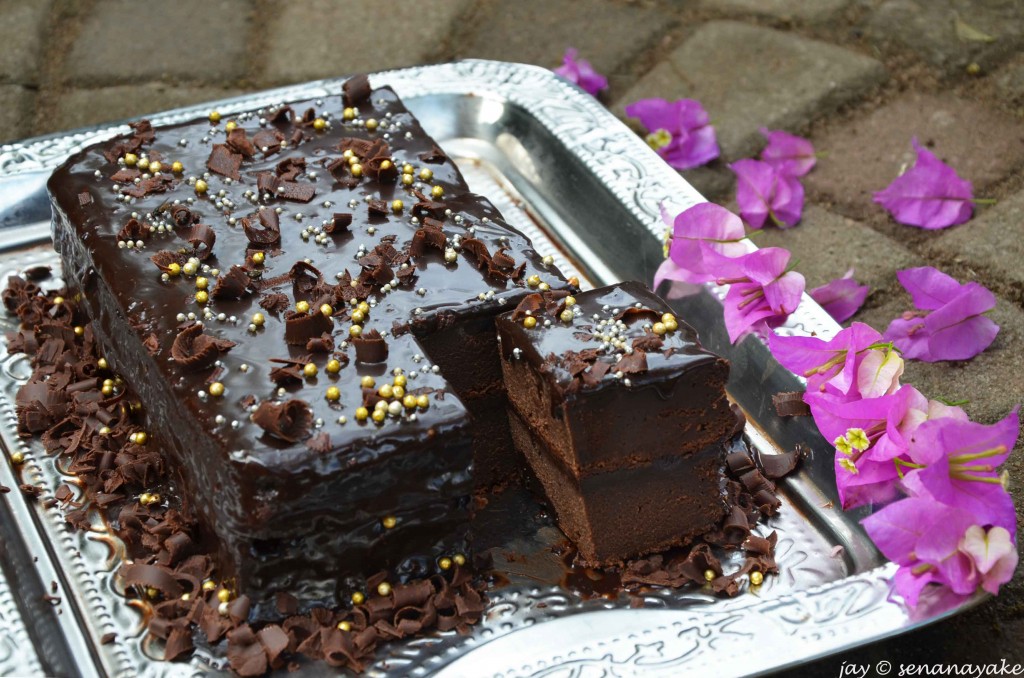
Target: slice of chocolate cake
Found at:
x=621, y=415
x=303, y=297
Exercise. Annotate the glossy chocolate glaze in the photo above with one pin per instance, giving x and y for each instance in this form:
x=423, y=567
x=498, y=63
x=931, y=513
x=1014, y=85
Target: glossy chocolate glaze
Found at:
x=248, y=485
x=676, y=406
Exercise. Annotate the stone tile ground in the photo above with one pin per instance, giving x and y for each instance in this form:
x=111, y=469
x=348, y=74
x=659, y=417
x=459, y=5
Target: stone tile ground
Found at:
x=860, y=76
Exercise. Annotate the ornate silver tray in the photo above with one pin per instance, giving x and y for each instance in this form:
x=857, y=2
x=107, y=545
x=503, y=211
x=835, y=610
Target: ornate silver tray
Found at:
x=587, y=191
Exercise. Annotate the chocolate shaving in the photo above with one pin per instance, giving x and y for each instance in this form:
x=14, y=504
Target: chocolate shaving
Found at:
x=790, y=404
x=151, y=576
x=274, y=303
x=339, y=224
x=290, y=190
x=290, y=168
x=319, y=443
x=163, y=260
x=356, y=90
x=133, y=230
x=283, y=115
x=649, y=342
x=377, y=208
x=146, y=186
x=632, y=363
x=224, y=161
x=370, y=347
x=434, y=156
x=123, y=175
x=299, y=328
x=238, y=141
x=231, y=285
x=288, y=421
x=776, y=466
x=196, y=351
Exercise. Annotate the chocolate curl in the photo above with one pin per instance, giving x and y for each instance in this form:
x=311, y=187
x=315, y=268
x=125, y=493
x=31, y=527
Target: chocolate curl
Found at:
x=196, y=351
x=290, y=168
x=790, y=404
x=202, y=238
x=339, y=223
x=269, y=234
x=152, y=576
x=163, y=260
x=133, y=230
x=289, y=421
x=356, y=90
x=299, y=328
x=633, y=314
x=776, y=466
x=370, y=347
x=238, y=141
x=245, y=652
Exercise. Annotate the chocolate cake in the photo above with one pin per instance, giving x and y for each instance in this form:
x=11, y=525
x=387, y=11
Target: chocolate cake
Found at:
x=303, y=298
x=622, y=416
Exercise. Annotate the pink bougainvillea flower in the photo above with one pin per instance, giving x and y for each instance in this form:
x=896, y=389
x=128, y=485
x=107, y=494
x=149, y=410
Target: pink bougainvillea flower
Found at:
x=706, y=223
x=829, y=366
x=949, y=324
x=678, y=130
x=993, y=553
x=763, y=192
x=956, y=462
x=788, y=153
x=925, y=539
x=929, y=195
x=841, y=298
x=580, y=71
x=762, y=292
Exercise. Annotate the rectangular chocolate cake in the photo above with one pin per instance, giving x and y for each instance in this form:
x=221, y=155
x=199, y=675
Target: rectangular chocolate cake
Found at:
x=303, y=296
x=622, y=416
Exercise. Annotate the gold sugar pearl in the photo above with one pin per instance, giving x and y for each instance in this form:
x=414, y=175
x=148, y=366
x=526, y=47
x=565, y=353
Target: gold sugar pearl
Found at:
x=186, y=597
x=397, y=205
x=349, y=155
x=130, y=159
x=371, y=124
x=104, y=430
x=533, y=280
x=155, y=166
x=659, y=328
x=174, y=269
x=333, y=367
x=422, y=401
x=389, y=522
x=362, y=414
x=358, y=316
x=202, y=283
x=151, y=592
x=383, y=589
x=139, y=438
x=258, y=257
x=445, y=563
x=230, y=126
x=309, y=370
x=386, y=391
x=214, y=117
x=367, y=382
x=398, y=392
x=409, y=402
x=202, y=297
x=378, y=415
x=355, y=331
x=326, y=309
x=437, y=191
x=356, y=169
x=216, y=389
x=363, y=306
x=79, y=330
x=57, y=301
x=672, y=326
x=459, y=559
x=385, y=165
x=566, y=316
x=319, y=124
x=107, y=389
x=223, y=609
x=209, y=585
x=756, y=578
x=358, y=598
x=344, y=626
x=349, y=113
x=529, y=322
x=258, y=319
x=177, y=167
x=426, y=174
x=223, y=595
x=143, y=164
x=400, y=380
x=709, y=575
x=407, y=180
x=570, y=301
x=573, y=281
x=333, y=394
x=102, y=364
x=302, y=307
x=189, y=268
x=17, y=458
x=201, y=186
x=407, y=169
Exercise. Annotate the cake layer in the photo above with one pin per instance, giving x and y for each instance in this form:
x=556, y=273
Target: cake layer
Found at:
x=317, y=248
x=602, y=389
x=629, y=512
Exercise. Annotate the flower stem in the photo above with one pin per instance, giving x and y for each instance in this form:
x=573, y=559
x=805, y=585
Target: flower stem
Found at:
x=984, y=201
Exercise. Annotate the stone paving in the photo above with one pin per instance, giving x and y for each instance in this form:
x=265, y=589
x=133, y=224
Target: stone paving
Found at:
x=860, y=77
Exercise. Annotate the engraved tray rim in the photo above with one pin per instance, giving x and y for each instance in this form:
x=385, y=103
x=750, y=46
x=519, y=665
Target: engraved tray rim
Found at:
x=844, y=613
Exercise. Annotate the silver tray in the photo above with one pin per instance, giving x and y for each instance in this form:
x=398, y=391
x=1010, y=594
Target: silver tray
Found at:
x=587, y=191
